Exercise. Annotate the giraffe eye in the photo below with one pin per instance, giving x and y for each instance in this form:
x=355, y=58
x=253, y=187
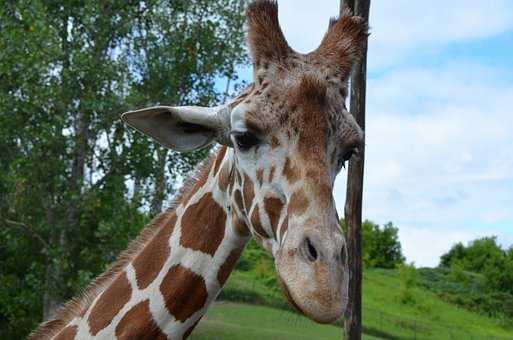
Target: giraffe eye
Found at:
x=245, y=140
x=346, y=157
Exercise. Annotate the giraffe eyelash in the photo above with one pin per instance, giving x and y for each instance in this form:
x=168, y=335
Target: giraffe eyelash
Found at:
x=245, y=140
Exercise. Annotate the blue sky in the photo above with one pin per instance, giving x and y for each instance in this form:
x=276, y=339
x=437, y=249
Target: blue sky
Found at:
x=439, y=160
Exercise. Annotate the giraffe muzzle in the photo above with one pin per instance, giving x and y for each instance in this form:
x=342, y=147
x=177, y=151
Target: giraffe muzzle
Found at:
x=313, y=273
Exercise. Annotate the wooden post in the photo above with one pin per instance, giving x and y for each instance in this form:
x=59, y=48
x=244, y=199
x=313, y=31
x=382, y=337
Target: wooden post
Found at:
x=353, y=206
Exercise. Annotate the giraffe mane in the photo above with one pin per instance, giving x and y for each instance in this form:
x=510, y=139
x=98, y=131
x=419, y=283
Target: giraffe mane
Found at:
x=83, y=300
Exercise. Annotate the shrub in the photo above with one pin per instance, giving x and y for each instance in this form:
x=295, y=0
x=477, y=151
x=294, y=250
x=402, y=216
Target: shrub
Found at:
x=408, y=281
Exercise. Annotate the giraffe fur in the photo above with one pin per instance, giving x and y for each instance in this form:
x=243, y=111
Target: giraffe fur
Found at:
x=283, y=142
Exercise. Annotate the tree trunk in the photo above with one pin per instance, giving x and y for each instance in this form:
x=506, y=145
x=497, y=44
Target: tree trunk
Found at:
x=51, y=300
x=160, y=182
x=353, y=206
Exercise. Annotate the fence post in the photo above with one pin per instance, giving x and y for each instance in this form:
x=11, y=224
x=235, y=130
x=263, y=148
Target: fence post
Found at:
x=353, y=206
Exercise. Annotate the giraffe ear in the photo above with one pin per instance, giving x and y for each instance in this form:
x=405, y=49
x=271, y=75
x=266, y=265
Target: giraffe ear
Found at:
x=343, y=45
x=182, y=128
x=265, y=37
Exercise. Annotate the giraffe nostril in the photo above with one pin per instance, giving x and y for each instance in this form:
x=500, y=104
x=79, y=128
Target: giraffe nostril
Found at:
x=311, y=251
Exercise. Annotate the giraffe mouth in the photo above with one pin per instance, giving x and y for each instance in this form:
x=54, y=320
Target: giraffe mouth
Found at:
x=322, y=317
x=288, y=296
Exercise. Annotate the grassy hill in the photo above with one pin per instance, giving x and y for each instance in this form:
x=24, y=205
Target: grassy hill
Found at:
x=232, y=321
x=425, y=316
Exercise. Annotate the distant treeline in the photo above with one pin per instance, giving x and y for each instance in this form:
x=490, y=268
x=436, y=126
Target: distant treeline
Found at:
x=477, y=276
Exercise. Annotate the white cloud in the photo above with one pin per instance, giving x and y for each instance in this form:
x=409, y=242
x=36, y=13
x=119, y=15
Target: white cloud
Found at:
x=419, y=244
x=403, y=27
x=400, y=28
x=439, y=154
x=305, y=22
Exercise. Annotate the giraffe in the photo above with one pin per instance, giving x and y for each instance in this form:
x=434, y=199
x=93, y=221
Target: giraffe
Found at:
x=282, y=143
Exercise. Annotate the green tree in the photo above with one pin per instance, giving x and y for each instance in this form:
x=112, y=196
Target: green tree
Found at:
x=476, y=256
x=484, y=256
x=75, y=184
x=381, y=245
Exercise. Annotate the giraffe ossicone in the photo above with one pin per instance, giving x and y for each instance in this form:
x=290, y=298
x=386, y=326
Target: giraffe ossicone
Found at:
x=283, y=141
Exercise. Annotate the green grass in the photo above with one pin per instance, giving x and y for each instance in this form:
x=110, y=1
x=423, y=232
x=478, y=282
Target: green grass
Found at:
x=384, y=316
x=428, y=314
x=231, y=321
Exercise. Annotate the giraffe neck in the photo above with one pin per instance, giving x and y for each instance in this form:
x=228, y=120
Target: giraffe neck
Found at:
x=167, y=286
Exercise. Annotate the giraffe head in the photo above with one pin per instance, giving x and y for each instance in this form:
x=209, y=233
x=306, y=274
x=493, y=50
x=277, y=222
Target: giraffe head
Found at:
x=289, y=135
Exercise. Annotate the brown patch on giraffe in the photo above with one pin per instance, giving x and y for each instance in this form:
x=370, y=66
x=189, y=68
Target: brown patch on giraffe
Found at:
x=260, y=176
x=298, y=203
x=228, y=265
x=273, y=207
x=271, y=173
x=67, y=333
x=138, y=323
x=109, y=303
x=150, y=261
x=310, y=121
x=322, y=188
x=324, y=197
x=195, y=225
x=275, y=142
x=240, y=227
x=219, y=159
x=290, y=172
x=184, y=292
x=189, y=331
x=248, y=190
x=237, y=196
x=312, y=90
x=312, y=144
x=223, y=179
x=255, y=223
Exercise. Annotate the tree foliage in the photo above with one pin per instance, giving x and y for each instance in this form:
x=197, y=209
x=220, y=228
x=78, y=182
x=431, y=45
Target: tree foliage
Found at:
x=75, y=184
x=484, y=256
x=381, y=245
